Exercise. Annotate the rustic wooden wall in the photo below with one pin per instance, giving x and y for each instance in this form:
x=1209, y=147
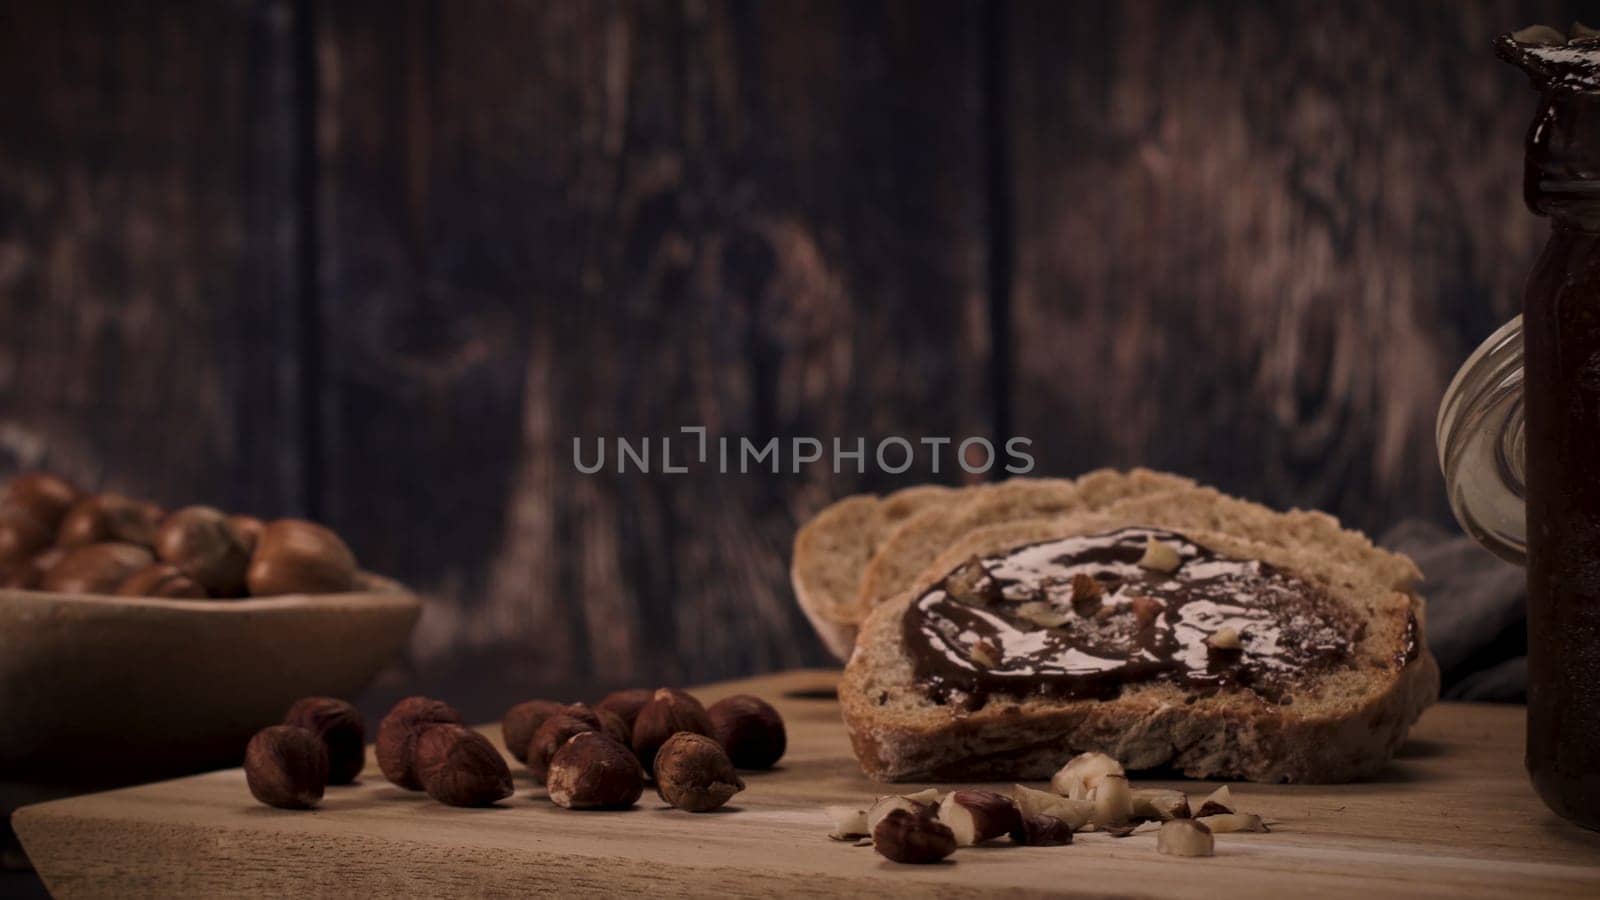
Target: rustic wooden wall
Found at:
x=380, y=262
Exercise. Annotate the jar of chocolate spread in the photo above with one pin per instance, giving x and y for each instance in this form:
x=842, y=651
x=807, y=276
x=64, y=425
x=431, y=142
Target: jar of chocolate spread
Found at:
x=1519, y=430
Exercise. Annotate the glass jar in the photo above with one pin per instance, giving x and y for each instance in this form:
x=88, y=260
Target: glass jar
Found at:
x=1519, y=428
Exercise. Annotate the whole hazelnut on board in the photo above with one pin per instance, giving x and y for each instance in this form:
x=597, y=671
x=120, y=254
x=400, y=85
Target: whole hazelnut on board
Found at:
x=613, y=727
x=750, y=730
x=459, y=767
x=668, y=712
x=341, y=729
x=906, y=837
x=109, y=517
x=552, y=734
x=96, y=568
x=298, y=557
x=694, y=774
x=203, y=543
x=626, y=704
x=161, y=580
x=45, y=497
x=22, y=536
x=593, y=771
x=521, y=721
x=286, y=767
x=606, y=721
x=397, y=737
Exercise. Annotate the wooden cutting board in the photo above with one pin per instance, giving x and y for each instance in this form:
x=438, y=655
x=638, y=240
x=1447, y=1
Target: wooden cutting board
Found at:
x=1452, y=816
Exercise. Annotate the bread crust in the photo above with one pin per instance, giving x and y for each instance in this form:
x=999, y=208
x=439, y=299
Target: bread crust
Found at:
x=833, y=548
x=1345, y=728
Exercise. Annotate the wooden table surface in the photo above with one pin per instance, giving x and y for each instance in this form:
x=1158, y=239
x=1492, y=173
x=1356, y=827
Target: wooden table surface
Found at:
x=1452, y=816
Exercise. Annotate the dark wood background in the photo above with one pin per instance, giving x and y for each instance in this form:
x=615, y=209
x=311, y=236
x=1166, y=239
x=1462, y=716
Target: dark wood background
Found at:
x=379, y=263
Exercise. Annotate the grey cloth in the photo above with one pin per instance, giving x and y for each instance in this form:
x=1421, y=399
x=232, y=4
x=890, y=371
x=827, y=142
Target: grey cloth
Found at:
x=1477, y=612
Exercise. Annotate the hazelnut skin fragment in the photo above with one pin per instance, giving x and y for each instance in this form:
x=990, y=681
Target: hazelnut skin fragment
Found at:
x=905, y=837
x=286, y=767
x=459, y=767
x=341, y=729
x=668, y=712
x=555, y=732
x=593, y=771
x=750, y=730
x=694, y=774
x=398, y=733
x=521, y=721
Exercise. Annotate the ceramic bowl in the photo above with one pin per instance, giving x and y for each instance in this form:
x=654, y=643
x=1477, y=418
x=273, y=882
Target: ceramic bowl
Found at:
x=99, y=690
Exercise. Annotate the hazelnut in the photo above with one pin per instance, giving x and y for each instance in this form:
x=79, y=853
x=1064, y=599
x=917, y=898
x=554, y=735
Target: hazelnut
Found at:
x=286, y=767
x=1219, y=801
x=922, y=803
x=397, y=737
x=1087, y=594
x=293, y=556
x=849, y=823
x=906, y=837
x=582, y=711
x=22, y=536
x=459, y=767
x=161, y=580
x=694, y=773
x=1031, y=802
x=1081, y=775
x=1226, y=823
x=1041, y=831
x=593, y=771
x=96, y=568
x=613, y=727
x=1160, y=556
x=627, y=703
x=341, y=729
x=109, y=517
x=203, y=543
x=521, y=721
x=749, y=729
x=1160, y=804
x=550, y=736
x=248, y=529
x=1113, y=801
x=1185, y=837
x=668, y=712
x=28, y=576
x=977, y=816
x=43, y=496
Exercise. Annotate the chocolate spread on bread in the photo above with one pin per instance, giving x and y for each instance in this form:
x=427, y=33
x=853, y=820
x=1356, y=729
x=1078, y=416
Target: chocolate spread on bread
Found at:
x=1079, y=617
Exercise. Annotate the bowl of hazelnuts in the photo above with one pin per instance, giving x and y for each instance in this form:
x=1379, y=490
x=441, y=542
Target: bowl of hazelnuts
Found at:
x=137, y=642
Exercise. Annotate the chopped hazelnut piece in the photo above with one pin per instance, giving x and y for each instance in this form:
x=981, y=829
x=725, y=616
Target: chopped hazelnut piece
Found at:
x=1225, y=639
x=1159, y=556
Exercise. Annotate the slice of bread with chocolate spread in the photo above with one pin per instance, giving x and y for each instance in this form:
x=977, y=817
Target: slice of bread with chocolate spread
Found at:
x=1183, y=630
